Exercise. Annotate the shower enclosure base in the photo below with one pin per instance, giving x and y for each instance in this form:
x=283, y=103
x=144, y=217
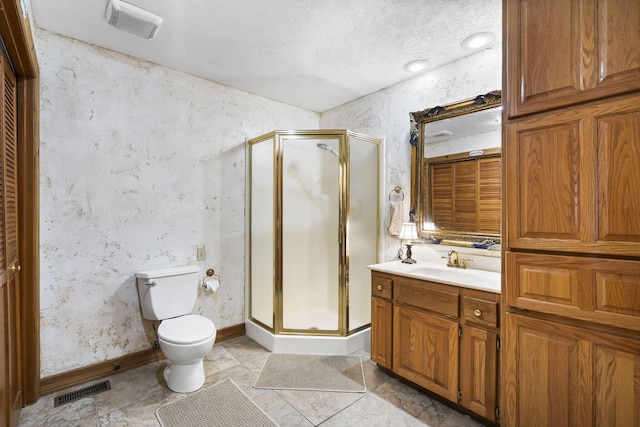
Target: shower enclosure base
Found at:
x=306, y=344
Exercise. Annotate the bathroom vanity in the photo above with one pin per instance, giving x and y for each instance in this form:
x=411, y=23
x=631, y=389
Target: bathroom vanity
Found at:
x=438, y=328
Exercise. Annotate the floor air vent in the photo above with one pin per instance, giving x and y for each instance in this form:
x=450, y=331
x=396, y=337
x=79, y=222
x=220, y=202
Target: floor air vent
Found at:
x=82, y=393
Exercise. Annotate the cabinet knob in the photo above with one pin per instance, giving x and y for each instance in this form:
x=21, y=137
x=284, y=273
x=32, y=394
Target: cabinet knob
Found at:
x=379, y=287
x=15, y=268
x=477, y=313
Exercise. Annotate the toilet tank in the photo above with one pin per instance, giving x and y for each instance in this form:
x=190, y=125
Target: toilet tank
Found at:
x=167, y=292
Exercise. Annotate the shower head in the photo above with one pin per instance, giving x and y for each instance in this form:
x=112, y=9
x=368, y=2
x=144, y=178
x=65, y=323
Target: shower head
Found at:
x=326, y=147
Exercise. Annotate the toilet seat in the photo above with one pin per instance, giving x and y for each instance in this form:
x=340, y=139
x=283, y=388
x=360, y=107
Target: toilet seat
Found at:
x=188, y=329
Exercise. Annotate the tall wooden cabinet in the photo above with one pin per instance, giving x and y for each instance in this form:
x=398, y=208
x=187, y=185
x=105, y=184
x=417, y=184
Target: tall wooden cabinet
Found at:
x=571, y=153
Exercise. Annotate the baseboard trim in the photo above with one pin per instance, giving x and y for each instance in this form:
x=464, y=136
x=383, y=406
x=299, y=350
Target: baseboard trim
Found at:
x=104, y=369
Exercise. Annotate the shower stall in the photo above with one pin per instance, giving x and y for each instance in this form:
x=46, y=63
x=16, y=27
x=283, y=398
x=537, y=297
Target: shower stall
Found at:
x=314, y=218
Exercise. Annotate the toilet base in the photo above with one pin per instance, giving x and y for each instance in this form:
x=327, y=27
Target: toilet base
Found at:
x=184, y=378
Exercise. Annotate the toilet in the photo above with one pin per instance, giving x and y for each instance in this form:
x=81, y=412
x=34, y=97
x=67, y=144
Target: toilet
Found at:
x=169, y=295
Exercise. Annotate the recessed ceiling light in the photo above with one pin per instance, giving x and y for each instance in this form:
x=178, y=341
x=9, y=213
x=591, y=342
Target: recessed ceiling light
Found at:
x=416, y=65
x=477, y=40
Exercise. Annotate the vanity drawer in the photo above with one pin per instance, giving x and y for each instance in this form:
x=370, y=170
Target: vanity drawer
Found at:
x=596, y=290
x=480, y=311
x=381, y=287
x=429, y=296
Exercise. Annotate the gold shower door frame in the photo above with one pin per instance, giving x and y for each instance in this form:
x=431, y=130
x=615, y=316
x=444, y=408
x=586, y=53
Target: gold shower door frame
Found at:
x=278, y=138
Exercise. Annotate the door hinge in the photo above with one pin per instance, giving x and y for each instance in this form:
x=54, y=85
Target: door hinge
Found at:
x=497, y=413
x=459, y=395
x=498, y=344
x=459, y=332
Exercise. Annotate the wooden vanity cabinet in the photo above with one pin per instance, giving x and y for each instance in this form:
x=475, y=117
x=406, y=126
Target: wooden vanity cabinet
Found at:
x=440, y=337
x=381, y=320
x=479, y=356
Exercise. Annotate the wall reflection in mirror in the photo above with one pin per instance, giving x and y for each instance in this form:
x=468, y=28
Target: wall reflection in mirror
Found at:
x=456, y=171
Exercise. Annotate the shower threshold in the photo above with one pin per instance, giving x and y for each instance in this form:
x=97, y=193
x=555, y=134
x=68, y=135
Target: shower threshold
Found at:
x=306, y=344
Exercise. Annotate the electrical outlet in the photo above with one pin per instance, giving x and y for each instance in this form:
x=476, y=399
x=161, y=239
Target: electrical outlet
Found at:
x=201, y=253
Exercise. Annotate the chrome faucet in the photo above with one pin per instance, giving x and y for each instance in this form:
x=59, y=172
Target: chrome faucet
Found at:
x=455, y=261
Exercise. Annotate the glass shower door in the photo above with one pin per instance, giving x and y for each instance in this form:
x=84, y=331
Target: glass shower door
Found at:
x=310, y=233
x=262, y=270
x=362, y=239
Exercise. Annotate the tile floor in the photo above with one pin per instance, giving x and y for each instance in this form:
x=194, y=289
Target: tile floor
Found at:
x=136, y=394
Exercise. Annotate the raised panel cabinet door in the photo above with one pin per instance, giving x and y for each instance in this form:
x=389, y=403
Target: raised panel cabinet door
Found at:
x=619, y=177
x=545, y=65
x=425, y=350
x=550, y=183
x=557, y=374
x=478, y=371
x=617, y=46
x=564, y=52
x=617, y=376
x=548, y=375
x=381, y=331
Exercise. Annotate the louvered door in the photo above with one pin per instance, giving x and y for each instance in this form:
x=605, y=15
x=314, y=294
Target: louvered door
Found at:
x=466, y=194
x=9, y=265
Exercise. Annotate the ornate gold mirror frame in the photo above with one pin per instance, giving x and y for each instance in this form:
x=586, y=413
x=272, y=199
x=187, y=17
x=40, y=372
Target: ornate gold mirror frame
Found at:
x=418, y=121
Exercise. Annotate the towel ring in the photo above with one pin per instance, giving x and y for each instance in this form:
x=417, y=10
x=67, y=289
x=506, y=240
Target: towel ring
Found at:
x=397, y=190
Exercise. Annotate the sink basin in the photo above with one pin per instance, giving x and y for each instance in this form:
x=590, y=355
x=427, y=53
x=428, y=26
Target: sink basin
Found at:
x=468, y=278
x=446, y=272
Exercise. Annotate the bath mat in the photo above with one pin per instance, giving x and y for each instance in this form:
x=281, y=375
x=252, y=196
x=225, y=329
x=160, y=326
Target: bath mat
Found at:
x=312, y=372
x=220, y=405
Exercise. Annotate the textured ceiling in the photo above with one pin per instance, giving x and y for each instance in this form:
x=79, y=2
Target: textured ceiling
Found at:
x=316, y=54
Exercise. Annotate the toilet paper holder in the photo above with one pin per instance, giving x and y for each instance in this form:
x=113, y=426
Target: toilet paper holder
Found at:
x=210, y=273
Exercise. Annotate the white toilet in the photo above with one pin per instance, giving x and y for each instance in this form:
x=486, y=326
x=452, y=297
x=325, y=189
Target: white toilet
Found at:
x=169, y=295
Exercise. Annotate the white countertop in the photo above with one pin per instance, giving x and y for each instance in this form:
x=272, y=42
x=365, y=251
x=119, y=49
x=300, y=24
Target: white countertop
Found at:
x=467, y=278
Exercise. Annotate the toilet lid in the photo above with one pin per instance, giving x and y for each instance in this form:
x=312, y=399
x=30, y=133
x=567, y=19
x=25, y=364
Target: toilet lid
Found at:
x=186, y=329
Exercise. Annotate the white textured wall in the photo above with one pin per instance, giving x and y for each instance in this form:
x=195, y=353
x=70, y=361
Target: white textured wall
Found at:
x=139, y=164
x=386, y=113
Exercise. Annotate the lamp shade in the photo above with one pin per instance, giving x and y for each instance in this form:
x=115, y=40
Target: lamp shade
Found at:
x=409, y=231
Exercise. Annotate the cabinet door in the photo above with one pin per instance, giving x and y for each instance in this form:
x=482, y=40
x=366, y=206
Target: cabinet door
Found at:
x=548, y=375
x=478, y=371
x=425, y=350
x=556, y=374
x=381, y=330
x=572, y=177
x=563, y=52
x=595, y=290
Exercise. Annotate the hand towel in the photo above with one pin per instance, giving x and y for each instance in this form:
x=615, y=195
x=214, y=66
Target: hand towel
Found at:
x=395, y=218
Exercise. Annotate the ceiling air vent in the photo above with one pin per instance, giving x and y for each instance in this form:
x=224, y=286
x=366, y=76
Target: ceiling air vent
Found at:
x=132, y=19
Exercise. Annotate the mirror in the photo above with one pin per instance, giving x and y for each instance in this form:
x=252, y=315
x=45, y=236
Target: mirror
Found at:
x=456, y=169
